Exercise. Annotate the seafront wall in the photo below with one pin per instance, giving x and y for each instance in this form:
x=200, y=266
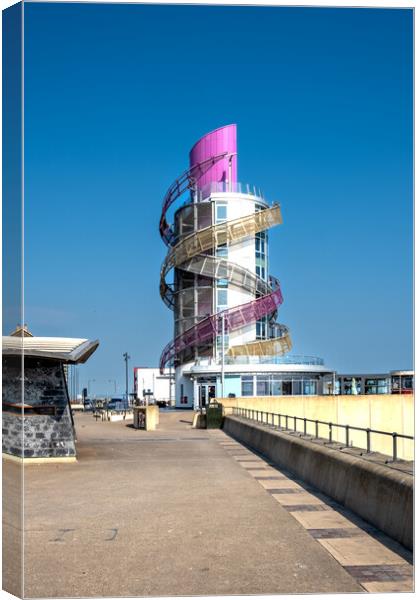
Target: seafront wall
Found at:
x=383, y=412
x=381, y=495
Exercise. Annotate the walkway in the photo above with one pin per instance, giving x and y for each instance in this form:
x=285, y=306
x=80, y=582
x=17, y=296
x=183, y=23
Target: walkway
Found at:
x=180, y=511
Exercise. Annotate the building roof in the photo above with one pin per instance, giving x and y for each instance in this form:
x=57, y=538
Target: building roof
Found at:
x=67, y=350
x=21, y=331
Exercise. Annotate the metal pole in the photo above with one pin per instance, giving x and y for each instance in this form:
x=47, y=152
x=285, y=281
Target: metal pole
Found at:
x=126, y=358
x=223, y=356
x=367, y=441
x=170, y=384
x=394, y=446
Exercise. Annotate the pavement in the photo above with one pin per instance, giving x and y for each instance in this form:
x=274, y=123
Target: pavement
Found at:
x=182, y=511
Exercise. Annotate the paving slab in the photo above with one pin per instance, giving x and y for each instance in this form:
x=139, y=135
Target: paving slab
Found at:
x=375, y=561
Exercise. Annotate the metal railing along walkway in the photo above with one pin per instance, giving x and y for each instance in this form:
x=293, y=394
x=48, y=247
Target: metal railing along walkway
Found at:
x=282, y=422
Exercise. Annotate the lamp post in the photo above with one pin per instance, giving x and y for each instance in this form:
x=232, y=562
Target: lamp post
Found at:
x=222, y=370
x=126, y=358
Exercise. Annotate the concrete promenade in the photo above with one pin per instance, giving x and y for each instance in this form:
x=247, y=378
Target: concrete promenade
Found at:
x=180, y=511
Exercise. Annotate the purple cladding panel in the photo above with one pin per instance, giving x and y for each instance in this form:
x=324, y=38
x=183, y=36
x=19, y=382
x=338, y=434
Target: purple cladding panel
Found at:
x=214, y=143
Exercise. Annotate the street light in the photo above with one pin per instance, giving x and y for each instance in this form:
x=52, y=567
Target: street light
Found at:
x=115, y=385
x=223, y=356
x=126, y=358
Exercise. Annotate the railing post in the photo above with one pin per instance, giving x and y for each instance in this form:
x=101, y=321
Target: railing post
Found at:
x=367, y=441
x=394, y=446
x=330, y=432
x=287, y=422
x=347, y=436
x=294, y=423
x=304, y=425
x=272, y=419
x=316, y=429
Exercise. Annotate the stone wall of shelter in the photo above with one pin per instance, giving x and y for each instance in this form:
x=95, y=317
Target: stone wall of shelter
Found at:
x=45, y=428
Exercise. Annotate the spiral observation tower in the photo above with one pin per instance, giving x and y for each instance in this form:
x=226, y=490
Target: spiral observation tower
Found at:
x=215, y=276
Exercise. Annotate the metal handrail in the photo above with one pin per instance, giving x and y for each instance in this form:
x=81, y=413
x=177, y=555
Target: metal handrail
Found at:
x=254, y=415
x=290, y=359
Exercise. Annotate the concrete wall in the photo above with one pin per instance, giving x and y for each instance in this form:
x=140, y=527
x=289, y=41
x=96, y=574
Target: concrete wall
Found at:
x=36, y=435
x=380, y=495
x=384, y=412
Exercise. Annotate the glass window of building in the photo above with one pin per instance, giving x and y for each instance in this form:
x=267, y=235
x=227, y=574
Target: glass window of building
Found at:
x=297, y=387
x=286, y=388
x=352, y=385
x=221, y=212
x=407, y=382
x=222, y=298
x=309, y=387
x=261, y=329
x=276, y=385
x=219, y=343
x=222, y=251
x=260, y=271
x=376, y=386
x=247, y=385
x=263, y=385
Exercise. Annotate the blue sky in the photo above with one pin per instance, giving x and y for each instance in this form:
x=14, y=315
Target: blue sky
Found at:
x=116, y=95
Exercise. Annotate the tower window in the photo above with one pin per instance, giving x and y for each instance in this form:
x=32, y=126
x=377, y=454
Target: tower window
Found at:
x=221, y=212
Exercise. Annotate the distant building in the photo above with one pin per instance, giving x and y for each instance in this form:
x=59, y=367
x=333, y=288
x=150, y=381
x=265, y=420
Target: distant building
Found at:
x=150, y=383
x=394, y=382
x=292, y=376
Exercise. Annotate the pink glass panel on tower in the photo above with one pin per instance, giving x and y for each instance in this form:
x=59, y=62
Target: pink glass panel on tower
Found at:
x=214, y=143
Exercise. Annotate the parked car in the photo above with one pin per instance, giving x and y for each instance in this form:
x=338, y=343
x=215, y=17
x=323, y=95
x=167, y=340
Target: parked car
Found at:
x=113, y=405
x=162, y=403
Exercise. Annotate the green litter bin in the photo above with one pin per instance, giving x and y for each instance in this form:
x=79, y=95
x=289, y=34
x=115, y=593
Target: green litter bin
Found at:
x=214, y=415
